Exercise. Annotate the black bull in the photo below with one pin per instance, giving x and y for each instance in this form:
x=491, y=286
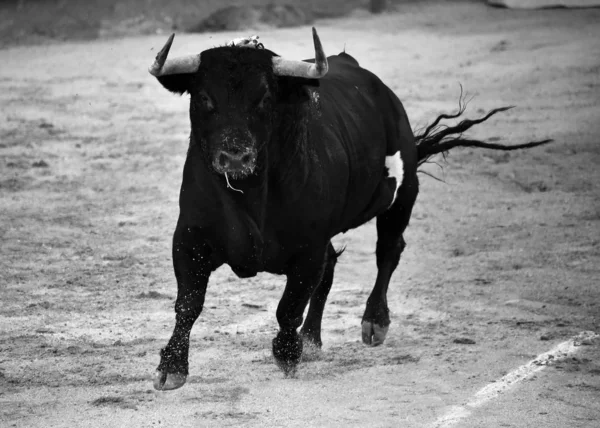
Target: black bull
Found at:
x=283, y=156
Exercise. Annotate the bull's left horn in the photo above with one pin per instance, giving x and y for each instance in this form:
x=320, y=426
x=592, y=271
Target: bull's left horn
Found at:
x=285, y=67
x=181, y=65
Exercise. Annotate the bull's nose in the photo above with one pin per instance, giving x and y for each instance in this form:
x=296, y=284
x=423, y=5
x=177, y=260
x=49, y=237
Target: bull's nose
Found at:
x=239, y=161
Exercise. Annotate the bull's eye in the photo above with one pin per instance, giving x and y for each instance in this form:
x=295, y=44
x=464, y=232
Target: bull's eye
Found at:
x=264, y=101
x=205, y=101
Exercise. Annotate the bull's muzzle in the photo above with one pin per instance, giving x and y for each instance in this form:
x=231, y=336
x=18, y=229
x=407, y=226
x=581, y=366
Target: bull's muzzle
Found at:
x=235, y=163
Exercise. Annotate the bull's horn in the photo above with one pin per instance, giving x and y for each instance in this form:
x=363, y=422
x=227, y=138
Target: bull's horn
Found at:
x=285, y=67
x=181, y=65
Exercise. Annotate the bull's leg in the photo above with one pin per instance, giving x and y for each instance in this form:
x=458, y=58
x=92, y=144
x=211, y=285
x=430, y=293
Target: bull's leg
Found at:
x=311, y=329
x=390, y=244
x=192, y=263
x=302, y=279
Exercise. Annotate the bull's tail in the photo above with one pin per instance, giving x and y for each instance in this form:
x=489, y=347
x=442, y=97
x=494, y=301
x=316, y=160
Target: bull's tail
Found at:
x=438, y=138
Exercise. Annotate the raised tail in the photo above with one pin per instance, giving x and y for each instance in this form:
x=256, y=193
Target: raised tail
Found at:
x=438, y=138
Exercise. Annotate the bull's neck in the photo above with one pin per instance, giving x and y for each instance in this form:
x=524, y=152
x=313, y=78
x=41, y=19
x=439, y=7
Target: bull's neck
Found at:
x=290, y=159
x=249, y=195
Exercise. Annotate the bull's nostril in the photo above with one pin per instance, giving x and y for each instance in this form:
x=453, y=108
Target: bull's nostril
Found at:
x=246, y=159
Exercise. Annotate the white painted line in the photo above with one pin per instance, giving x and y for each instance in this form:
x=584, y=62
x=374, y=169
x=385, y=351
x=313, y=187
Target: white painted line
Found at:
x=559, y=353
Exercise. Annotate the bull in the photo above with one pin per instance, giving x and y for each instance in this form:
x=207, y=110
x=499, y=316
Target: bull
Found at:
x=283, y=156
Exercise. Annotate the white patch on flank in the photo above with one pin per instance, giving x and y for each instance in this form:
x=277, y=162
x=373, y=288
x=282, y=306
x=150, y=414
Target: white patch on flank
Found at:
x=395, y=169
x=559, y=353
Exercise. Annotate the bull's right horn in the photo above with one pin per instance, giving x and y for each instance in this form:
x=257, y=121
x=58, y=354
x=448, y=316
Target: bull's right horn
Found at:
x=181, y=65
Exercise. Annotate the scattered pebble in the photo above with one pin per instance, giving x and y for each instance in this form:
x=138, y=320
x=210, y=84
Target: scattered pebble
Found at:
x=251, y=305
x=464, y=341
x=45, y=125
x=40, y=164
x=152, y=295
x=586, y=338
x=106, y=400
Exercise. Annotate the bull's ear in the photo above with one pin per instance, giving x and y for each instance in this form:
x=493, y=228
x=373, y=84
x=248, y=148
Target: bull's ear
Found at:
x=177, y=83
x=295, y=89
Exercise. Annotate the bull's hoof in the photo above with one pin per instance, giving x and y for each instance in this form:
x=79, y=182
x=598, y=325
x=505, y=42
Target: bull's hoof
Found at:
x=167, y=381
x=373, y=334
x=287, y=350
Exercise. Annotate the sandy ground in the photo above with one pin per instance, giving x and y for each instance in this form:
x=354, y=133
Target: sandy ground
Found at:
x=505, y=253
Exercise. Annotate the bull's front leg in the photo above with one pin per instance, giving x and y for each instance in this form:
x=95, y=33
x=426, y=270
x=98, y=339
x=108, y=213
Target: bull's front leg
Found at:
x=302, y=278
x=193, y=266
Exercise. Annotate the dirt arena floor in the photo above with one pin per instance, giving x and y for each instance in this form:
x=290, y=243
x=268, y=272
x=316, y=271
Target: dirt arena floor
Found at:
x=502, y=263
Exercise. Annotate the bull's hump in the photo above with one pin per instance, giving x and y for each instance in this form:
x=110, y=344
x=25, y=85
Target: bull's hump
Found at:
x=343, y=56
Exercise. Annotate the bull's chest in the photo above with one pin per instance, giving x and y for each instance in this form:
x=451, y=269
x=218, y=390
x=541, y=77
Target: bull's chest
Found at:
x=249, y=249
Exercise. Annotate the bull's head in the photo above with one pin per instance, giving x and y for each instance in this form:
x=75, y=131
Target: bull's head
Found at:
x=234, y=92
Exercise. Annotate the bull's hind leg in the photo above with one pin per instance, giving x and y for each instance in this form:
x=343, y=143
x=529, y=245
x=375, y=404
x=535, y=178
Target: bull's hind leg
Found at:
x=311, y=329
x=390, y=244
